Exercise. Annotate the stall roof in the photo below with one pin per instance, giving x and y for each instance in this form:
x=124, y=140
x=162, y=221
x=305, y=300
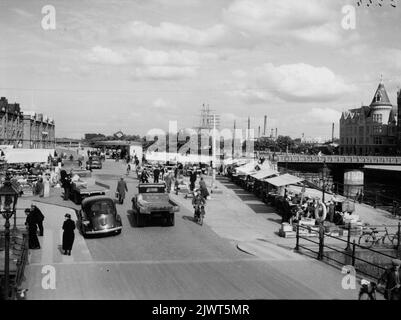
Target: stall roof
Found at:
x=247, y=168
x=263, y=173
x=27, y=155
x=283, y=180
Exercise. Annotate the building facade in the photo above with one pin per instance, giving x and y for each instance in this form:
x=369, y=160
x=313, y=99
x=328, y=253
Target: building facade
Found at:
x=20, y=129
x=373, y=129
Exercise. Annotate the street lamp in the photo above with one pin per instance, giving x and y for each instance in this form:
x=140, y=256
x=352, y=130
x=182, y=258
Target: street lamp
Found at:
x=324, y=174
x=8, y=201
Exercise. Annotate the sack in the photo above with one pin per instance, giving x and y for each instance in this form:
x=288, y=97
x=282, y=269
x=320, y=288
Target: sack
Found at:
x=117, y=194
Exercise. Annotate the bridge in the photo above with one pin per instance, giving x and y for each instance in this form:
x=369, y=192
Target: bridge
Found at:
x=291, y=158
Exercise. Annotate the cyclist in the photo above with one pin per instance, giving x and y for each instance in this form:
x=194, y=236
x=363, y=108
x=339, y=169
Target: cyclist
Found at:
x=198, y=202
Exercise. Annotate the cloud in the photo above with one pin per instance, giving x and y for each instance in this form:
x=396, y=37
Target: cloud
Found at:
x=392, y=57
x=313, y=21
x=324, y=115
x=298, y=82
x=175, y=33
x=161, y=104
x=102, y=55
x=152, y=64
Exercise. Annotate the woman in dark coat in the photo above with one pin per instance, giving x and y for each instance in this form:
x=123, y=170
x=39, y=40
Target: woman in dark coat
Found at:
x=68, y=234
x=32, y=224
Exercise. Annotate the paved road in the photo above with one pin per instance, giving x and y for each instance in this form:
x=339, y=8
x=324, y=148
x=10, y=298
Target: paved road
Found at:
x=185, y=261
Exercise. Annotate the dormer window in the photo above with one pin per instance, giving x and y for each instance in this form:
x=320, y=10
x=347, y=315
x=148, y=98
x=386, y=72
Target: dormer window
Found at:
x=378, y=97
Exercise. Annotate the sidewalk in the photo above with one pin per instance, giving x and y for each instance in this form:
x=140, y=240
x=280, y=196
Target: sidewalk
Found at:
x=253, y=226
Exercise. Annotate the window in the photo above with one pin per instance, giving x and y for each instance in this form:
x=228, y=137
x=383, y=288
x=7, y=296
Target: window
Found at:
x=377, y=140
x=377, y=118
x=361, y=131
x=377, y=129
x=360, y=140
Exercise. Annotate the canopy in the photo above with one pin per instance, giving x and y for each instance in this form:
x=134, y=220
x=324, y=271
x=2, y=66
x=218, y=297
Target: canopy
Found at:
x=283, y=180
x=247, y=168
x=264, y=173
x=27, y=155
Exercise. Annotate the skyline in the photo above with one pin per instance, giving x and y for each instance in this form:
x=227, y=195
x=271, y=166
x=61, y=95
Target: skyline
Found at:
x=110, y=66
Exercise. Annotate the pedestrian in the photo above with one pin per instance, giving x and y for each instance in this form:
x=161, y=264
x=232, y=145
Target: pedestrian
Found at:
x=391, y=277
x=144, y=176
x=39, y=187
x=68, y=234
x=121, y=189
x=128, y=169
x=66, y=184
x=156, y=173
x=38, y=217
x=169, y=180
x=32, y=224
x=203, y=189
x=192, y=180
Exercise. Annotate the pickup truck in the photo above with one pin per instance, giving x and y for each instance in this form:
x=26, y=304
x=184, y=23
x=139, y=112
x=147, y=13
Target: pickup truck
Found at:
x=86, y=186
x=153, y=201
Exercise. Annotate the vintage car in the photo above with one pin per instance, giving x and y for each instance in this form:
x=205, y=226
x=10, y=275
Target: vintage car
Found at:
x=94, y=163
x=98, y=215
x=86, y=186
x=152, y=201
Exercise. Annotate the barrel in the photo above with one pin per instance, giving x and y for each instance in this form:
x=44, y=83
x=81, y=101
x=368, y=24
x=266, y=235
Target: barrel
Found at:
x=353, y=182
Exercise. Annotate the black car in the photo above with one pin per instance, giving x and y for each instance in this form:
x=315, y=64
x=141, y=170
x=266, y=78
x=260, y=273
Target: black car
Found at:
x=98, y=215
x=94, y=162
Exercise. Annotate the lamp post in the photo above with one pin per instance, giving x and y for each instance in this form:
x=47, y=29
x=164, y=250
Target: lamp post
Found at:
x=324, y=174
x=8, y=201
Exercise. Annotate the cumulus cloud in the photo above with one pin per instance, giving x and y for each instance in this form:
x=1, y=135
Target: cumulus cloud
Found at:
x=175, y=33
x=298, y=82
x=313, y=20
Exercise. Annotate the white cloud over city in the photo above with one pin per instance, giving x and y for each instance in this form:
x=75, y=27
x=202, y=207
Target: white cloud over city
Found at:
x=290, y=60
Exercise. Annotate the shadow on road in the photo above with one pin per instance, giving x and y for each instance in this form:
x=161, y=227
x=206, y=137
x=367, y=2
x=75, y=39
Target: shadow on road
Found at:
x=189, y=218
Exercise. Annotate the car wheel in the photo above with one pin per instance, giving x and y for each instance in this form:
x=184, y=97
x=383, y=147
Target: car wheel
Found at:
x=139, y=220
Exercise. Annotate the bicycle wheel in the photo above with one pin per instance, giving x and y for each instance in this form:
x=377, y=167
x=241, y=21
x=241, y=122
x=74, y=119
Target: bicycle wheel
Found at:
x=366, y=240
x=389, y=239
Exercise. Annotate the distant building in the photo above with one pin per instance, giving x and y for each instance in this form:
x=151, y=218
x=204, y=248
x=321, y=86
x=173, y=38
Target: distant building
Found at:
x=370, y=130
x=25, y=129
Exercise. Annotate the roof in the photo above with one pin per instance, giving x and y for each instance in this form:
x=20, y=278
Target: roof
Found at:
x=95, y=198
x=263, y=173
x=117, y=143
x=247, y=168
x=380, y=98
x=284, y=180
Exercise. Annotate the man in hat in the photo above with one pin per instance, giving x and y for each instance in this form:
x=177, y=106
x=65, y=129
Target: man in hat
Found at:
x=391, y=277
x=121, y=189
x=68, y=234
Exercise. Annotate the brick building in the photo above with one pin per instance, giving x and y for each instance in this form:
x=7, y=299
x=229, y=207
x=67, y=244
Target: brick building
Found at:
x=25, y=129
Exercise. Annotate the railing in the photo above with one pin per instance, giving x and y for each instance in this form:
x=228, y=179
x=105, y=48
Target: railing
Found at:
x=349, y=252
x=337, y=159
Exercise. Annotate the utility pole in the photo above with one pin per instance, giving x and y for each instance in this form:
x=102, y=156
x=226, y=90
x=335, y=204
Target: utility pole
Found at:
x=264, y=126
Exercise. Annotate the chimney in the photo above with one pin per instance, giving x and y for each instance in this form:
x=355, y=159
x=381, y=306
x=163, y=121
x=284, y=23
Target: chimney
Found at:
x=259, y=132
x=276, y=133
x=332, y=133
x=271, y=133
x=264, y=127
x=399, y=120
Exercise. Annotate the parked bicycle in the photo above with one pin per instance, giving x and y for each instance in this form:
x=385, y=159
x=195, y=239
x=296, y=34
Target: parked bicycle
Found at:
x=370, y=237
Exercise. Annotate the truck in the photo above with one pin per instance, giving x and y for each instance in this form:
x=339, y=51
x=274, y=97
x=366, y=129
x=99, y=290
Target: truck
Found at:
x=86, y=186
x=152, y=201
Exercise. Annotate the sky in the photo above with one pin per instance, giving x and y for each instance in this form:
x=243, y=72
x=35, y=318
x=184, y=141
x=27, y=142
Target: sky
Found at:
x=136, y=65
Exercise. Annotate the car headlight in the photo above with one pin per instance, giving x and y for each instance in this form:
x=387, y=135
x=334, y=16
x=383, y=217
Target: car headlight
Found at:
x=85, y=223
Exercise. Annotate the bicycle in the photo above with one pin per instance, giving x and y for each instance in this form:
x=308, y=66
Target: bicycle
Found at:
x=199, y=214
x=370, y=238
